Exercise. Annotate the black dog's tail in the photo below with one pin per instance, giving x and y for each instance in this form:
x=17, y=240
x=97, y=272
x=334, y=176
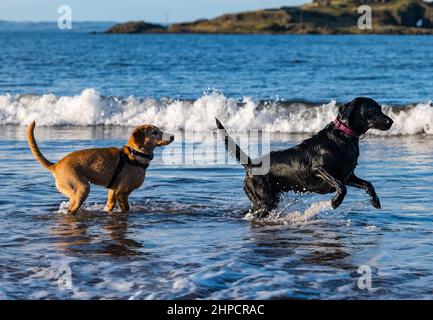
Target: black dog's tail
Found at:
x=232, y=147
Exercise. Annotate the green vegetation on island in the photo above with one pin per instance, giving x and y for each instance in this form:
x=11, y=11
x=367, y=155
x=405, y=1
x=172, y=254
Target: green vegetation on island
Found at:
x=318, y=17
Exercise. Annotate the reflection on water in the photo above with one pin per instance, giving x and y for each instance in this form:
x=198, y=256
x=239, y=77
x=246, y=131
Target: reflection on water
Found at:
x=74, y=234
x=186, y=236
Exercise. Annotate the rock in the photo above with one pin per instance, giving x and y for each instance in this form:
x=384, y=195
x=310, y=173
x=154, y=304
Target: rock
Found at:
x=136, y=27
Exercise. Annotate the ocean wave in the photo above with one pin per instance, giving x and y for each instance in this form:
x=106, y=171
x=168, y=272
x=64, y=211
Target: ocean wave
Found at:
x=91, y=109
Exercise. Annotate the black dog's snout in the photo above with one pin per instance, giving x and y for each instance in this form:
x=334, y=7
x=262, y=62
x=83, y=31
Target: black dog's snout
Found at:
x=388, y=122
x=382, y=122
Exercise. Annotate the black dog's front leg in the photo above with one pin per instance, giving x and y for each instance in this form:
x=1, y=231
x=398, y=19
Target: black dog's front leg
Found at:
x=356, y=182
x=341, y=189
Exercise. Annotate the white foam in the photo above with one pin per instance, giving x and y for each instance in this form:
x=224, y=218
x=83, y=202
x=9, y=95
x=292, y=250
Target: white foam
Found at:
x=63, y=208
x=84, y=210
x=90, y=108
x=292, y=218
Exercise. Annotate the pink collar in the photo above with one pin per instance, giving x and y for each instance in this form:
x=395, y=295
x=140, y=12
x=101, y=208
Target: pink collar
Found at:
x=347, y=130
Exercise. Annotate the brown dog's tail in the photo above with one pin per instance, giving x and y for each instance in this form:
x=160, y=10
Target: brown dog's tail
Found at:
x=233, y=148
x=35, y=149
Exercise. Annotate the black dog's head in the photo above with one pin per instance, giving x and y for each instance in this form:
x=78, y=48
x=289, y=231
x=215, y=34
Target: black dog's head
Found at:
x=362, y=114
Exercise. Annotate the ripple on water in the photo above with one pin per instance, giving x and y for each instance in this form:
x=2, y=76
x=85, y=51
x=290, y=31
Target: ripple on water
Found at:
x=182, y=241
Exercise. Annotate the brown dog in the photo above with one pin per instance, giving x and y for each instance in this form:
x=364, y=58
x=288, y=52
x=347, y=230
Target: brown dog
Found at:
x=120, y=170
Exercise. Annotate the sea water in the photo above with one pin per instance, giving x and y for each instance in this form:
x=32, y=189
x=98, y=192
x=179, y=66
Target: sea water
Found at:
x=187, y=235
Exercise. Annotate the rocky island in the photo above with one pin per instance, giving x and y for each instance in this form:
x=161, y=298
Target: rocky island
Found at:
x=318, y=17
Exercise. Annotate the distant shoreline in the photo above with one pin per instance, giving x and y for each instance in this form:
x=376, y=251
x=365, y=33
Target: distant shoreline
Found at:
x=426, y=34
x=412, y=17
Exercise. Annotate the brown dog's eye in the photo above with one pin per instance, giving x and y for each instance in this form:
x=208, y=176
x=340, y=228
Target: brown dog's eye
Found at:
x=154, y=132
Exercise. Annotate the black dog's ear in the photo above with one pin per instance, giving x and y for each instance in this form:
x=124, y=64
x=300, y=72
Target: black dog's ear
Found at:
x=345, y=110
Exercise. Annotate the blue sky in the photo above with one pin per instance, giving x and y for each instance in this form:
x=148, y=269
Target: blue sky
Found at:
x=123, y=10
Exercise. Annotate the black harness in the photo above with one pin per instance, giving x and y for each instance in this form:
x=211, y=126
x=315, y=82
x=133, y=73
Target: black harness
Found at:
x=125, y=159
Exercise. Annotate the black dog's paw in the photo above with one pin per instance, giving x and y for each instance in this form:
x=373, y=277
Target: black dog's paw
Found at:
x=256, y=213
x=375, y=201
x=263, y=213
x=336, y=202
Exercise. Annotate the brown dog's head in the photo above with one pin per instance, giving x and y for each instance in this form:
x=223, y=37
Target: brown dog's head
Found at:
x=147, y=137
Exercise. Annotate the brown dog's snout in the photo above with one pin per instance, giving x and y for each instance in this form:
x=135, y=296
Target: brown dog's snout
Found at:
x=167, y=137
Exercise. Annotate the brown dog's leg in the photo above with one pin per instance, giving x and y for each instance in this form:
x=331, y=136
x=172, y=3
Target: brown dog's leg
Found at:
x=123, y=202
x=112, y=200
x=81, y=193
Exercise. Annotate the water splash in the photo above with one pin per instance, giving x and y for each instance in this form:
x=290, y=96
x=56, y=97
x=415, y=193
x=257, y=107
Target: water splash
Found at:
x=282, y=217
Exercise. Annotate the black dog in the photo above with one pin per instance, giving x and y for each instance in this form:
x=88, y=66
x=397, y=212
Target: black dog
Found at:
x=322, y=164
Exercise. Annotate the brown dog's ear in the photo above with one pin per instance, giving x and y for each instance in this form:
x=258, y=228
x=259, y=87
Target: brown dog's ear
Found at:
x=136, y=133
x=345, y=110
x=137, y=137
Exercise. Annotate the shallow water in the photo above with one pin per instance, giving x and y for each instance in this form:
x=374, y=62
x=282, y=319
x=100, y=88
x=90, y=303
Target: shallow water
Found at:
x=187, y=237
